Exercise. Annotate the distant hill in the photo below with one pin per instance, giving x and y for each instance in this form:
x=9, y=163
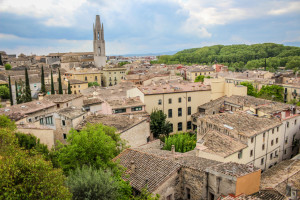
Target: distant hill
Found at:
x=149, y=54
x=239, y=57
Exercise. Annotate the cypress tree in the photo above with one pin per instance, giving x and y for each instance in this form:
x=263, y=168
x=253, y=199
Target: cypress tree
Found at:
x=17, y=92
x=10, y=93
x=69, y=88
x=43, y=87
x=27, y=88
x=60, y=90
x=1, y=63
x=52, y=84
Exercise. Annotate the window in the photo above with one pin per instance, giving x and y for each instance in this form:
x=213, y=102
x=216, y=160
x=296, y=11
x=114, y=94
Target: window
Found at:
x=179, y=100
x=262, y=161
x=251, y=153
x=295, y=121
x=122, y=110
x=65, y=136
x=159, y=102
x=252, y=139
x=63, y=122
x=273, y=131
x=263, y=147
x=136, y=108
x=96, y=78
x=189, y=125
x=188, y=193
x=170, y=113
x=171, y=127
x=276, y=153
x=49, y=120
x=29, y=120
x=286, y=140
x=272, y=142
x=287, y=124
x=42, y=121
x=189, y=110
x=189, y=99
x=179, y=112
x=179, y=126
x=85, y=78
x=169, y=197
x=57, y=105
x=240, y=155
x=271, y=156
x=78, y=86
x=170, y=101
x=277, y=129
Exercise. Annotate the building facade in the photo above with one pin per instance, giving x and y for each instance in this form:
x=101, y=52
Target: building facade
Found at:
x=99, y=43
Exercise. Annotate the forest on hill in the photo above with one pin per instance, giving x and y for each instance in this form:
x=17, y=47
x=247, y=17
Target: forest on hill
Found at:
x=239, y=57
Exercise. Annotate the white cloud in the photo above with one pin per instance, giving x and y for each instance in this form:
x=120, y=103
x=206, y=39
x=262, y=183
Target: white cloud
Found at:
x=285, y=7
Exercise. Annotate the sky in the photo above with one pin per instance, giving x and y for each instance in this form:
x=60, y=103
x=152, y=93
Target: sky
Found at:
x=144, y=26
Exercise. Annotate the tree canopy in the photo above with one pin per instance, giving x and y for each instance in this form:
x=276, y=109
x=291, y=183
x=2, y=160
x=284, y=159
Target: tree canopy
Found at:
x=159, y=126
x=239, y=57
x=7, y=66
x=251, y=91
x=4, y=92
x=90, y=84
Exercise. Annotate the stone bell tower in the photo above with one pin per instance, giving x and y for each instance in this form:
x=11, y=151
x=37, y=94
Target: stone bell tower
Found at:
x=99, y=43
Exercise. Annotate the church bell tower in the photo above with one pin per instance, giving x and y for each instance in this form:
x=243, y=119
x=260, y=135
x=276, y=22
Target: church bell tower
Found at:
x=99, y=43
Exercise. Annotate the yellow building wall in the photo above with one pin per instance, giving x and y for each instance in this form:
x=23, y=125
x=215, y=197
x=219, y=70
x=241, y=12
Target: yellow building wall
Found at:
x=89, y=77
x=77, y=88
x=113, y=76
x=248, y=184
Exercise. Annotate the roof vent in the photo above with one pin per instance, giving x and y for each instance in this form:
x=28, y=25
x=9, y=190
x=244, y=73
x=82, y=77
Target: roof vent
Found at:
x=6, y=110
x=23, y=106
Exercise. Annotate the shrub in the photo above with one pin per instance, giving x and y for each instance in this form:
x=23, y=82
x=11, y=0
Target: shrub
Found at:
x=183, y=142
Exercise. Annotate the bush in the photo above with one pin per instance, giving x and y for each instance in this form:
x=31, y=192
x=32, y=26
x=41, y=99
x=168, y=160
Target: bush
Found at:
x=183, y=142
x=90, y=84
x=7, y=66
x=4, y=92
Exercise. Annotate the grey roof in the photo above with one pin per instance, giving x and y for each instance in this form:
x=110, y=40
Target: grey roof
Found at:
x=71, y=112
x=61, y=98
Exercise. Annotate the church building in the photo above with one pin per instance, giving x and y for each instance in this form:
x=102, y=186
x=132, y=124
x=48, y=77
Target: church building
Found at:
x=99, y=43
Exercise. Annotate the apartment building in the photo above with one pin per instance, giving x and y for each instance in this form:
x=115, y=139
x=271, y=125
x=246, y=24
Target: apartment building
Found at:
x=177, y=100
x=255, y=140
x=85, y=75
x=113, y=75
x=192, y=73
x=77, y=85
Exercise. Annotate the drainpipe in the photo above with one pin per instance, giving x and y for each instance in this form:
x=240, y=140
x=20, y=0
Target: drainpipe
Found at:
x=207, y=175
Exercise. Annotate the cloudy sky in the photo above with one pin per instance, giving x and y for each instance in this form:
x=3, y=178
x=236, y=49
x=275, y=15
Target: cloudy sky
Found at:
x=145, y=26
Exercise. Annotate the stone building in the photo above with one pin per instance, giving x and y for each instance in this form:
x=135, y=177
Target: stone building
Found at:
x=85, y=75
x=112, y=75
x=77, y=85
x=192, y=73
x=99, y=43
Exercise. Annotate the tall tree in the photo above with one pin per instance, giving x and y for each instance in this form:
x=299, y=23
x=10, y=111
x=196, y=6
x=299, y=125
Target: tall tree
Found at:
x=1, y=63
x=52, y=84
x=69, y=88
x=60, y=90
x=43, y=87
x=27, y=88
x=158, y=124
x=10, y=93
x=17, y=92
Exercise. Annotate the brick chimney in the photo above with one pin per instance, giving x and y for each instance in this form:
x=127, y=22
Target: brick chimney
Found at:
x=41, y=96
x=132, y=166
x=7, y=103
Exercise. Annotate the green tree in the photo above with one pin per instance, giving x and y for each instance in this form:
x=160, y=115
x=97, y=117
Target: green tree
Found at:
x=183, y=142
x=17, y=92
x=90, y=84
x=31, y=143
x=251, y=91
x=25, y=176
x=52, y=84
x=10, y=92
x=69, y=88
x=43, y=87
x=89, y=183
x=199, y=78
x=27, y=96
x=146, y=195
x=60, y=90
x=271, y=92
x=1, y=62
x=7, y=66
x=22, y=96
x=4, y=92
x=95, y=145
x=158, y=124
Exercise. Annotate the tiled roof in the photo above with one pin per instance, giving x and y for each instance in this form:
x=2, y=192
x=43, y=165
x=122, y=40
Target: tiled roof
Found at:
x=48, y=86
x=149, y=170
x=268, y=195
x=19, y=111
x=233, y=169
x=76, y=81
x=71, y=112
x=61, y=98
x=220, y=144
x=92, y=101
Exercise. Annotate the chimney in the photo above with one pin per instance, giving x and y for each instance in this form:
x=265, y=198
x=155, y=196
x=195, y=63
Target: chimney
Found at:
x=130, y=116
x=173, y=149
x=132, y=166
x=7, y=103
x=41, y=96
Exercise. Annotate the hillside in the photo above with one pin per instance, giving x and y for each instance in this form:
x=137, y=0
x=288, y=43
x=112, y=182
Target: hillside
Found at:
x=239, y=57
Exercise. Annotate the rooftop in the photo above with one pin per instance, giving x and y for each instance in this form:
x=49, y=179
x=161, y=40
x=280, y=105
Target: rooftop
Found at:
x=48, y=86
x=92, y=101
x=120, y=122
x=76, y=81
x=71, y=112
x=61, y=98
x=220, y=144
x=174, y=88
x=19, y=111
x=241, y=123
x=233, y=169
x=126, y=102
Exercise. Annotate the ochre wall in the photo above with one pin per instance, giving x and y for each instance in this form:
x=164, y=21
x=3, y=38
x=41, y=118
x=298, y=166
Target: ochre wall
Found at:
x=248, y=184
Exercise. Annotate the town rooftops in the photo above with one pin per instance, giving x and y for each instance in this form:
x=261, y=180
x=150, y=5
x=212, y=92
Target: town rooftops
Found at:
x=149, y=170
x=61, y=98
x=242, y=123
x=126, y=102
x=71, y=112
x=92, y=101
x=48, y=86
x=120, y=122
x=55, y=54
x=76, y=81
x=173, y=88
x=197, y=69
x=19, y=111
x=233, y=169
x=220, y=144
x=286, y=172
